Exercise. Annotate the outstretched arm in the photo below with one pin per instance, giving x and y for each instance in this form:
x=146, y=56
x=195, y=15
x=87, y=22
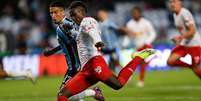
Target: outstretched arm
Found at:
x=48, y=52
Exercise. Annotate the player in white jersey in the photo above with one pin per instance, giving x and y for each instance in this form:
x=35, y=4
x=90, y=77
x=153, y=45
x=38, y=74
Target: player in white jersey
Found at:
x=94, y=67
x=189, y=40
x=66, y=37
x=141, y=31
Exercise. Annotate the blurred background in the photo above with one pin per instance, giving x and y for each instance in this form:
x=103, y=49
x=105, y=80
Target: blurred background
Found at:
x=26, y=27
x=26, y=30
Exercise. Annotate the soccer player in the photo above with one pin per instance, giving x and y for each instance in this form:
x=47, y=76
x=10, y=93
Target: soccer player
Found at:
x=24, y=74
x=189, y=40
x=66, y=34
x=93, y=66
x=109, y=37
x=143, y=34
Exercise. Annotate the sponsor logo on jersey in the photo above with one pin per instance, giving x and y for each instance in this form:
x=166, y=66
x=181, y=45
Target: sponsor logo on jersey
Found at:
x=98, y=69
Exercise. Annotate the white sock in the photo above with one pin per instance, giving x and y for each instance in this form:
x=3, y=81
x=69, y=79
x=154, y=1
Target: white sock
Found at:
x=82, y=95
x=17, y=74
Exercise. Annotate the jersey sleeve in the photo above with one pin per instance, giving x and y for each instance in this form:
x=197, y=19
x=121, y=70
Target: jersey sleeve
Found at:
x=90, y=26
x=188, y=18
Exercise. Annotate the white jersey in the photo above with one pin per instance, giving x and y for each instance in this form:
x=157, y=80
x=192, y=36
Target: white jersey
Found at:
x=182, y=21
x=88, y=36
x=145, y=33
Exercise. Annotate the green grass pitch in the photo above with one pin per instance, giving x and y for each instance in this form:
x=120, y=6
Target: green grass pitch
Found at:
x=177, y=85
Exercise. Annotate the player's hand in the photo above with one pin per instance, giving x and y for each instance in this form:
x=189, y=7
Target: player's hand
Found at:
x=177, y=39
x=99, y=45
x=47, y=52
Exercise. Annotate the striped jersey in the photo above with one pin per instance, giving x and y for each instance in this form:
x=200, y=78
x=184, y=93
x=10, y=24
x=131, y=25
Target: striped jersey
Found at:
x=67, y=41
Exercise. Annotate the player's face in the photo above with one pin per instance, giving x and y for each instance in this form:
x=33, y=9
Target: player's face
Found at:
x=175, y=5
x=77, y=14
x=136, y=14
x=102, y=15
x=57, y=14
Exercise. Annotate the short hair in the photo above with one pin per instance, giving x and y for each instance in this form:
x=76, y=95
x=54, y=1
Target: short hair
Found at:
x=103, y=9
x=137, y=8
x=57, y=4
x=179, y=0
x=75, y=4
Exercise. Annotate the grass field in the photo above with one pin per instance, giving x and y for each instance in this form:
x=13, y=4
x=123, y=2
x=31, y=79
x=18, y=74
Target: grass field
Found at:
x=180, y=85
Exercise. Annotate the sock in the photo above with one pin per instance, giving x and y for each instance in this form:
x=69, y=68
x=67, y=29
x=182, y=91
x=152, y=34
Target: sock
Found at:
x=62, y=98
x=128, y=70
x=82, y=95
x=17, y=74
x=142, y=71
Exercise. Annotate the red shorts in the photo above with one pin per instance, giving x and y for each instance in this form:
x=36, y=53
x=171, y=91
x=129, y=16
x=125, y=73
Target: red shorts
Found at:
x=194, y=51
x=93, y=71
x=144, y=47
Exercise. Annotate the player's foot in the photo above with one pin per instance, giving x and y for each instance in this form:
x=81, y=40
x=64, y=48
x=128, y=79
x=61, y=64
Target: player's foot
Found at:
x=30, y=76
x=140, y=84
x=98, y=96
x=144, y=53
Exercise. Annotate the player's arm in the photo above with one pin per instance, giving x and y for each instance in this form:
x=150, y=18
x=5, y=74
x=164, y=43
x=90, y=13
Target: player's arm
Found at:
x=48, y=52
x=126, y=30
x=91, y=27
x=189, y=33
x=190, y=25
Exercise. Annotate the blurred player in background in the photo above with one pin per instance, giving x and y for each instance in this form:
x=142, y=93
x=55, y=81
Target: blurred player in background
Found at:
x=27, y=74
x=109, y=36
x=189, y=40
x=93, y=65
x=143, y=34
x=66, y=35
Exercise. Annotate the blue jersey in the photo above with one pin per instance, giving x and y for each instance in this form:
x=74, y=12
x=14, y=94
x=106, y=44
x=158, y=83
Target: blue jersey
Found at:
x=67, y=41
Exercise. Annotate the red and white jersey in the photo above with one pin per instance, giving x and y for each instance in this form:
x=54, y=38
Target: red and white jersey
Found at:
x=182, y=21
x=88, y=36
x=145, y=33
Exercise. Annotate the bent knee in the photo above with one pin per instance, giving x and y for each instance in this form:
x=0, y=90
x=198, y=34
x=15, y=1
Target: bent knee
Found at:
x=64, y=92
x=117, y=87
x=170, y=62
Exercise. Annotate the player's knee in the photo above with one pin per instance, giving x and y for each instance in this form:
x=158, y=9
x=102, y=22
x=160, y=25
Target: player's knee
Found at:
x=64, y=92
x=117, y=86
x=170, y=62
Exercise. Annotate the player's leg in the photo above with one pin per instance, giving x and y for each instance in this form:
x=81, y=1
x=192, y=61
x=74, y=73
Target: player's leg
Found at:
x=96, y=93
x=195, y=53
x=197, y=70
x=116, y=82
x=176, y=54
x=3, y=74
x=142, y=67
x=142, y=71
x=77, y=84
x=26, y=74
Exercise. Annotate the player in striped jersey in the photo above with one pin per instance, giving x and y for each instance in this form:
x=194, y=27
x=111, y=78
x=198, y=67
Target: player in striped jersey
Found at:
x=93, y=65
x=66, y=35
